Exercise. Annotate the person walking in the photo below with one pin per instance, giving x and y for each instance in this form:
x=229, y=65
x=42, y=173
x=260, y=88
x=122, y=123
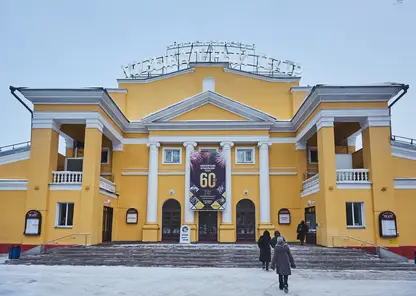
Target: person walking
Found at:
x=302, y=231
x=265, y=251
x=283, y=262
x=276, y=235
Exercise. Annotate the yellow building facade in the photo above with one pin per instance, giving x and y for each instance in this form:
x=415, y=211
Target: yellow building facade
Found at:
x=288, y=154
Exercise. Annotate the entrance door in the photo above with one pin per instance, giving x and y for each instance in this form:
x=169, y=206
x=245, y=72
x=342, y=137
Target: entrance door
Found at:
x=310, y=220
x=171, y=220
x=208, y=226
x=246, y=221
x=107, y=224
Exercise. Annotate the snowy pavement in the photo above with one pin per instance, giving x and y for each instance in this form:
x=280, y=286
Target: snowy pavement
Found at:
x=91, y=280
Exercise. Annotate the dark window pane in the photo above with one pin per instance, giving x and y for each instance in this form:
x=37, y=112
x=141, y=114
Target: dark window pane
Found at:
x=349, y=214
x=104, y=156
x=70, y=214
x=314, y=156
x=357, y=214
x=62, y=214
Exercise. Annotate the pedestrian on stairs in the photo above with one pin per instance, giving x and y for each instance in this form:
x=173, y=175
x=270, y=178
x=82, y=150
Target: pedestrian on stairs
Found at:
x=283, y=262
x=274, y=240
x=265, y=251
x=302, y=231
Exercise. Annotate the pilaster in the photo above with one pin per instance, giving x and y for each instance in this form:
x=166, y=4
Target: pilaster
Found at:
x=189, y=214
x=265, y=221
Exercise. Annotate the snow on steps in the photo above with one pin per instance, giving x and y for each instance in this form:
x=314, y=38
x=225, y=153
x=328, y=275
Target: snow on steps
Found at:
x=208, y=255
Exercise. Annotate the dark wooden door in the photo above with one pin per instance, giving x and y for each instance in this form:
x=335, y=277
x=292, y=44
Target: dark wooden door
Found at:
x=107, y=224
x=171, y=220
x=246, y=221
x=310, y=221
x=208, y=226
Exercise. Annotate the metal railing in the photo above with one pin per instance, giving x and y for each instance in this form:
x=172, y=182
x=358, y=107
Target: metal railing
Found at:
x=69, y=236
x=66, y=177
x=312, y=181
x=353, y=238
x=404, y=140
x=352, y=176
x=15, y=146
x=107, y=185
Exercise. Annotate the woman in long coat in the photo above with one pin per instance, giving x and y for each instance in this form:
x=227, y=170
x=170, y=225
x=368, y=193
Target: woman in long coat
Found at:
x=302, y=231
x=283, y=262
x=265, y=251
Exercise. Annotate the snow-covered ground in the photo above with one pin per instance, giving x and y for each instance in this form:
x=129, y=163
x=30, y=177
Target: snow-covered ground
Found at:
x=80, y=281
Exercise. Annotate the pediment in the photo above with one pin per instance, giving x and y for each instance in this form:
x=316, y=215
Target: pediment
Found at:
x=212, y=107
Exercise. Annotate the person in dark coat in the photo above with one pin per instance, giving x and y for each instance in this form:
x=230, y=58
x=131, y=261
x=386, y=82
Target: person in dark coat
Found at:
x=276, y=235
x=302, y=231
x=265, y=251
x=283, y=262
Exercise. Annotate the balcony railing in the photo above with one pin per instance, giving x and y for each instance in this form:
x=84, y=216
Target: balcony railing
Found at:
x=74, y=178
x=352, y=176
x=311, y=182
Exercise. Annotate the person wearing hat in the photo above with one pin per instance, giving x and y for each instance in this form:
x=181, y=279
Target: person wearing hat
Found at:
x=276, y=235
x=283, y=262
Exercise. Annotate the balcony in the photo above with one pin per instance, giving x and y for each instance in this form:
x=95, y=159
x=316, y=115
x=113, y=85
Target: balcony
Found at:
x=67, y=180
x=310, y=186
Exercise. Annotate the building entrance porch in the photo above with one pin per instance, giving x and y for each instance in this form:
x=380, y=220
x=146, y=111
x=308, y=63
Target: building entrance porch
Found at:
x=208, y=226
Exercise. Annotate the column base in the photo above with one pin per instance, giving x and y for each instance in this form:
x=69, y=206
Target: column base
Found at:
x=194, y=237
x=227, y=233
x=265, y=226
x=150, y=233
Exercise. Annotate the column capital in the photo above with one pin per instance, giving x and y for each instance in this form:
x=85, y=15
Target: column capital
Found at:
x=153, y=144
x=226, y=145
x=324, y=122
x=46, y=124
x=189, y=145
x=264, y=145
x=94, y=123
x=301, y=145
x=118, y=147
x=375, y=121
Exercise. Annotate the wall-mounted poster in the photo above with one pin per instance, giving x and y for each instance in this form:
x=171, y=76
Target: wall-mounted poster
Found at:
x=284, y=217
x=132, y=216
x=387, y=224
x=33, y=223
x=207, y=186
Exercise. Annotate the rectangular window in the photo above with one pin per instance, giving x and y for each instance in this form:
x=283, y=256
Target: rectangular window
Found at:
x=244, y=155
x=172, y=156
x=208, y=149
x=313, y=155
x=105, y=156
x=355, y=214
x=64, y=214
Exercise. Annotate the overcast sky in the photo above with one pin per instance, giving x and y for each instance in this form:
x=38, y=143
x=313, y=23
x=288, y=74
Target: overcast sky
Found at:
x=84, y=43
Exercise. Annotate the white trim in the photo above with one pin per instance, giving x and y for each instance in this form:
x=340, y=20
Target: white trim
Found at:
x=105, y=174
x=300, y=88
x=57, y=212
x=135, y=141
x=352, y=185
x=13, y=184
x=108, y=155
x=118, y=147
x=49, y=123
x=403, y=152
x=65, y=187
x=253, y=155
x=207, y=148
x=68, y=158
x=282, y=78
x=117, y=90
x=171, y=173
x=135, y=173
x=14, y=157
x=246, y=173
x=301, y=145
x=311, y=190
x=207, y=139
x=109, y=194
x=94, y=123
x=171, y=148
x=277, y=140
x=153, y=79
x=309, y=154
x=283, y=173
x=363, y=225
x=405, y=183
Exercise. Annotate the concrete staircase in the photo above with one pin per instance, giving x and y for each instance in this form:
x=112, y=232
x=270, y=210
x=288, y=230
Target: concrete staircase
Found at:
x=208, y=255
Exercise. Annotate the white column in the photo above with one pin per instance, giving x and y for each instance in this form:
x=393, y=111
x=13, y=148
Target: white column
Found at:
x=227, y=214
x=189, y=214
x=264, y=183
x=152, y=182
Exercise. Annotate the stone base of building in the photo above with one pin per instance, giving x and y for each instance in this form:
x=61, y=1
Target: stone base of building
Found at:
x=151, y=233
x=227, y=233
x=194, y=233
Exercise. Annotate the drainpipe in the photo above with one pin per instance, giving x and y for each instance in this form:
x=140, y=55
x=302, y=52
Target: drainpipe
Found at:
x=12, y=91
x=405, y=88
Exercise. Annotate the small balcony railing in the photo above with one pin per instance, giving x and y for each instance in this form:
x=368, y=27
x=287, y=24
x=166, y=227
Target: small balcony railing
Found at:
x=352, y=176
x=75, y=178
x=107, y=185
x=311, y=183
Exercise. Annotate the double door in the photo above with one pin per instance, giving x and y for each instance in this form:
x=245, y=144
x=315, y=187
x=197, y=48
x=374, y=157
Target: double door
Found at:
x=208, y=226
x=107, y=224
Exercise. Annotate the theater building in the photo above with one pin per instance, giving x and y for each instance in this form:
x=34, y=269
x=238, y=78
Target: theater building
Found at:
x=218, y=138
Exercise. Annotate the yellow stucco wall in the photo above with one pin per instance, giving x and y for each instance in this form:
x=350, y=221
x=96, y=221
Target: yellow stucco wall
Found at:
x=14, y=170
x=406, y=218
x=12, y=213
x=208, y=112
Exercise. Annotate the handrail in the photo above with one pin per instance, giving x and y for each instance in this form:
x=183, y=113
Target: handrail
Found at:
x=66, y=236
x=24, y=144
x=354, y=238
x=403, y=140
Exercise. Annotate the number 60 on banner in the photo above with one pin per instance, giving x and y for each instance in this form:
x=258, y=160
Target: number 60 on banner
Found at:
x=207, y=180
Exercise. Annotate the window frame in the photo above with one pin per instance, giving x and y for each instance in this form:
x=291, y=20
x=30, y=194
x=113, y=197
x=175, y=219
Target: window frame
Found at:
x=69, y=158
x=58, y=208
x=363, y=225
x=208, y=148
x=253, y=155
x=171, y=148
x=108, y=154
x=310, y=149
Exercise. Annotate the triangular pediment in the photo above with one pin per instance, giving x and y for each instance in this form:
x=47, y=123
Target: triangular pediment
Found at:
x=215, y=106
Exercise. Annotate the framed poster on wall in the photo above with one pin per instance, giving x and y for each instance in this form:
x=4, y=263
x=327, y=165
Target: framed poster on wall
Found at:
x=387, y=224
x=132, y=216
x=284, y=217
x=33, y=222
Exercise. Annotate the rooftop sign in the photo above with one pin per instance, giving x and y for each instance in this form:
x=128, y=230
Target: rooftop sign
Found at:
x=239, y=56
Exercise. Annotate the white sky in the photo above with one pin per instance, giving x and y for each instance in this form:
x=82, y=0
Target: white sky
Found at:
x=84, y=43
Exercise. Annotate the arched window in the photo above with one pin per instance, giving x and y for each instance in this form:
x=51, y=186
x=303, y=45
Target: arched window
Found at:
x=208, y=84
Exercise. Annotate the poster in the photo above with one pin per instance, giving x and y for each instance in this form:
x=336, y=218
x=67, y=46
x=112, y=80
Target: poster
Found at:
x=284, y=217
x=131, y=216
x=33, y=220
x=207, y=184
x=185, y=235
x=388, y=224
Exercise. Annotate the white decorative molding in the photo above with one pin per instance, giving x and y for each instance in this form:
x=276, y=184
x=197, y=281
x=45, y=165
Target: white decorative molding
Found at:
x=276, y=140
x=105, y=174
x=48, y=123
x=264, y=182
x=207, y=139
x=135, y=173
x=65, y=186
x=227, y=214
x=118, y=147
x=246, y=173
x=405, y=183
x=152, y=185
x=310, y=190
x=171, y=173
x=94, y=123
x=283, y=78
x=14, y=157
x=362, y=185
x=109, y=194
x=117, y=90
x=136, y=141
x=324, y=122
x=403, y=152
x=376, y=121
x=283, y=173
x=13, y=184
x=300, y=88
x=301, y=145
x=310, y=186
